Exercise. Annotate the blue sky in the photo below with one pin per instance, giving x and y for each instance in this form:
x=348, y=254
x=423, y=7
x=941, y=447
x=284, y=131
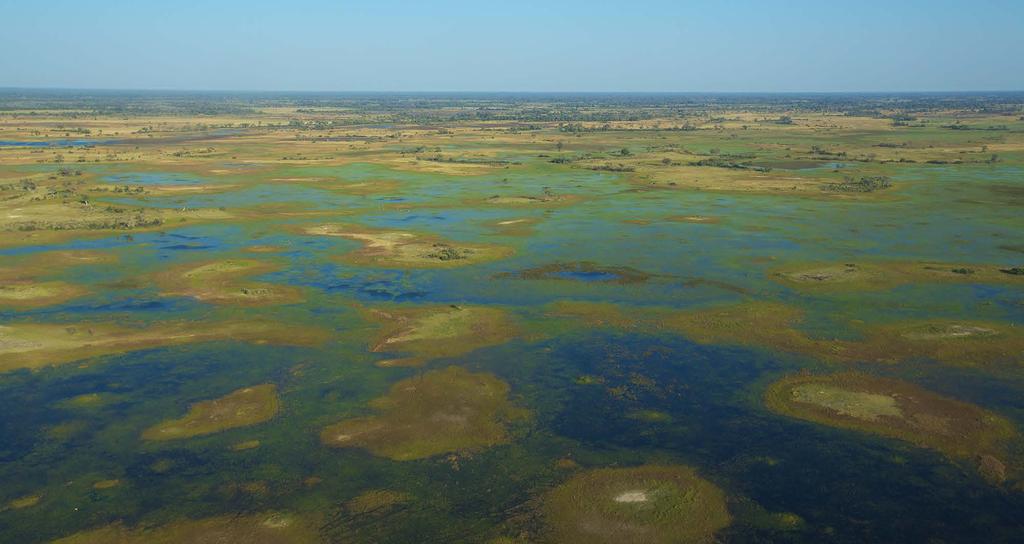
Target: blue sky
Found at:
x=524, y=45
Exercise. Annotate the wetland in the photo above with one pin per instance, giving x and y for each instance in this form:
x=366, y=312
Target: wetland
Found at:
x=510, y=319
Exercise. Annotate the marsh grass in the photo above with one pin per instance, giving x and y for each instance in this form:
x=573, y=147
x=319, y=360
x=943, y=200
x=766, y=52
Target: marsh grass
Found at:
x=900, y=410
x=227, y=282
x=267, y=528
x=426, y=333
x=30, y=345
x=656, y=504
x=443, y=411
x=409, y=250
x=241, y=408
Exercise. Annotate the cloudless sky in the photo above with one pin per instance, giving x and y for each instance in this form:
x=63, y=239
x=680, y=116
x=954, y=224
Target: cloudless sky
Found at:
x=516, y=45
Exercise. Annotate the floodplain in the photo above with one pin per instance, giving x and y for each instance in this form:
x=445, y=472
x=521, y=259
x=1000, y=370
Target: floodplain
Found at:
x=317, y=318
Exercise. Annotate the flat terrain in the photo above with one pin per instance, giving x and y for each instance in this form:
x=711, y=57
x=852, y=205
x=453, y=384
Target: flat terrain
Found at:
x=511, y=318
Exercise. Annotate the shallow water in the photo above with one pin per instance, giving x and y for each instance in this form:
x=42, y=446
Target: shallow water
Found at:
x=146, y=178
x=50, y=143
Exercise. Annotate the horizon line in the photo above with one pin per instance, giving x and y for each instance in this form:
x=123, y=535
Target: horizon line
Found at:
x=566, y=92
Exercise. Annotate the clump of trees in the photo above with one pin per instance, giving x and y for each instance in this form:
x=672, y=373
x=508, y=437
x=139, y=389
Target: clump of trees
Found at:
x=902, y=119
x=818, y=150
x=445, y=252
x=726, y=163
x=865, y=184
x=130, y=189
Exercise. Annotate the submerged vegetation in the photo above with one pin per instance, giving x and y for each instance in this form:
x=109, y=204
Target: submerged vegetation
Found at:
x=581, y=271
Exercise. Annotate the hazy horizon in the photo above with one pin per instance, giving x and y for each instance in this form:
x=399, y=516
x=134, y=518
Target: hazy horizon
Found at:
x=442, y=92
x=456, y=46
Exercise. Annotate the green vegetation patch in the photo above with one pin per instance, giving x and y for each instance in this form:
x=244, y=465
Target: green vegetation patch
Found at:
x=90, y=400
x=270, y=528
x=651, y=504
x=548, y=198
x=866, y=184
x=885, y=275
x=775, y=326
x=245, y=445
x=24, y=502
x=30, y=294
x=856, y=404
x=376, y=500
x=241, y=408
x=226, y=282
x=38, y=345
x=22, y=286
x=900, y=410
x=959, y=343
x=442, y=411
x=50, y=208
x=402, y=249
x=439, y=331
